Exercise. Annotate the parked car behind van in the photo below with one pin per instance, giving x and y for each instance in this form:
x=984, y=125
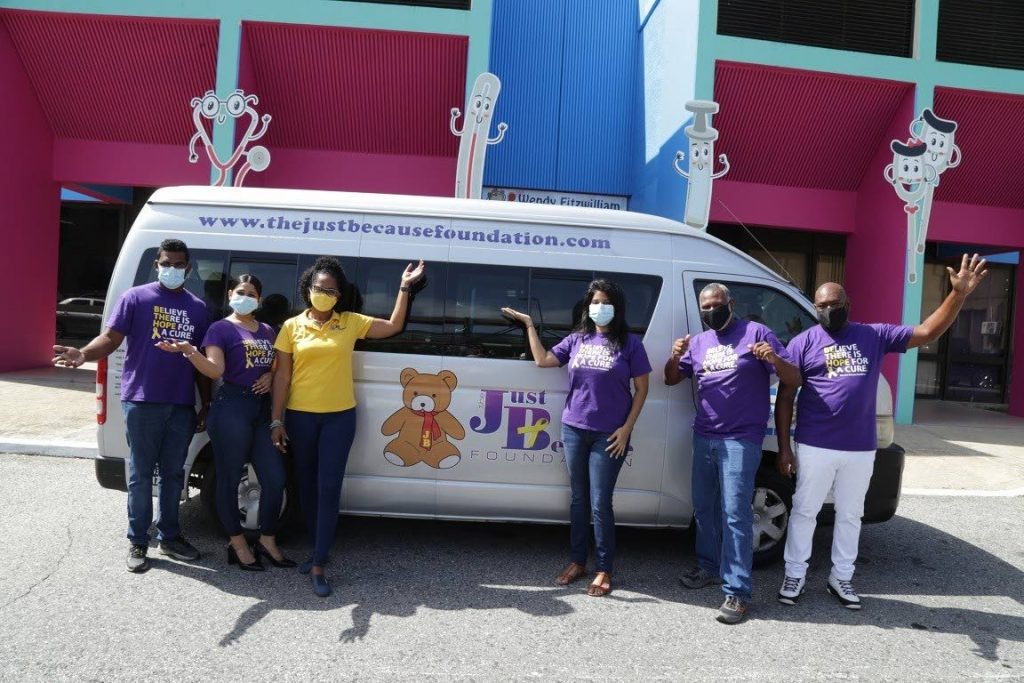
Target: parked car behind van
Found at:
x=481, y=257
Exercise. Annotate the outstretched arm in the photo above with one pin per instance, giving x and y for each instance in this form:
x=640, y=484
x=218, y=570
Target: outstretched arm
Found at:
x=541, y=356
x=963, y=282
x=100, y=347
x=382, y=329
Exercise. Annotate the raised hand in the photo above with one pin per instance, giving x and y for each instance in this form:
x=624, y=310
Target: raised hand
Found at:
x=680, y=346
x=521, y=318
x=413, y=275
x=970, y=275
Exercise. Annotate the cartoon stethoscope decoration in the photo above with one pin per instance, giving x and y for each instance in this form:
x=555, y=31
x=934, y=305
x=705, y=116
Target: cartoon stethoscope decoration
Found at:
x=702, y=161
x=474, y=136
x=216, y=110
x=914, y=173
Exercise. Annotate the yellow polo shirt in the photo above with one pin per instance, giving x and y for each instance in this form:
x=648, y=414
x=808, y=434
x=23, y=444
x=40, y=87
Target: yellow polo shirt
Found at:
x=322, y=360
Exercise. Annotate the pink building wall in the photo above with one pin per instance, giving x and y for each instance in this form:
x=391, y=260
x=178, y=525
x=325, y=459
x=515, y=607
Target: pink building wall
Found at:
x=30, y=221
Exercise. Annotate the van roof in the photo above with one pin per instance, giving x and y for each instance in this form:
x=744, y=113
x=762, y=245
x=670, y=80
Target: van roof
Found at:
x=415, y=205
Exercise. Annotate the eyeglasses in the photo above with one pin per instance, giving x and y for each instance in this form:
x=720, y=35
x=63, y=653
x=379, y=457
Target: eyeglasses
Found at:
x=324, y=290
x=168, y=264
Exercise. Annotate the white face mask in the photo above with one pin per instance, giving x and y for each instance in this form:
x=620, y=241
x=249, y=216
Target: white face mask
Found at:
x=171, y=277
x=243, y=305
x=602, y=314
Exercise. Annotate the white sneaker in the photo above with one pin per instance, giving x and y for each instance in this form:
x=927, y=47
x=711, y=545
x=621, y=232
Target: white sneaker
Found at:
x=843, y=590
x=792, y=589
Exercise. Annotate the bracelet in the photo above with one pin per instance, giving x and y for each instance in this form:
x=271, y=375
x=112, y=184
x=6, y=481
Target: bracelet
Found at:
x=274, y=424
x=403, y=288
x=189, y=354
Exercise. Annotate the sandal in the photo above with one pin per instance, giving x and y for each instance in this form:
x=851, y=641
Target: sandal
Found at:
x=600, y=588
x=574, y=572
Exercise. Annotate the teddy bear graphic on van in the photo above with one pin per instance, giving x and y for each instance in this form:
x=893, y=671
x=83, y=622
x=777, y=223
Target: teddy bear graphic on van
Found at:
x=423, y=424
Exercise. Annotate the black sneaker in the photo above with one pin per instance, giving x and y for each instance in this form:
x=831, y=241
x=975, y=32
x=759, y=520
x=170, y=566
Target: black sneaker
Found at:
x=137, y=561
x=843, y=591
x=179, y=549
x=792, y=589
x=732, y=611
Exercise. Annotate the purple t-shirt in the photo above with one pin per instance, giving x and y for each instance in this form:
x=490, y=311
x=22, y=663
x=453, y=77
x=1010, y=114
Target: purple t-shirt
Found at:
x=145, y=315
x=733, y=386
x=599, y=393
x=247, y=355
x=836, y=404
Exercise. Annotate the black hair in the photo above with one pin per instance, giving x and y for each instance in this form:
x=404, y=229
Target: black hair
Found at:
x=245, y=278
x=618, y=330
x=177, y=246
x=327, y=265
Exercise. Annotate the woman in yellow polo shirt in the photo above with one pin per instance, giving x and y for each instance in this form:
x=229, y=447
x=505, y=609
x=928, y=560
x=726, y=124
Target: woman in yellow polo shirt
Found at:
x=314, y=381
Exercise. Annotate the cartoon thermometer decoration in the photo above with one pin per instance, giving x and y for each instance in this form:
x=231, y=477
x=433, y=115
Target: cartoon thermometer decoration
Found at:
x=469, y=174
x=911, y=178
x=701, y=167
x=237, y=104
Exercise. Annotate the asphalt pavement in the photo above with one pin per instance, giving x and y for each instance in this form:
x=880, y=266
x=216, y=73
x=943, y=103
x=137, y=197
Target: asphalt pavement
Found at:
x=942, y=585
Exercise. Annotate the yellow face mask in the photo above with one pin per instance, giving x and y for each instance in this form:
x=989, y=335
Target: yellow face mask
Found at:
x=322, y=302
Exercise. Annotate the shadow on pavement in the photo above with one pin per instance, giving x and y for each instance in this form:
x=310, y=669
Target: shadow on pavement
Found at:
x=393, y=567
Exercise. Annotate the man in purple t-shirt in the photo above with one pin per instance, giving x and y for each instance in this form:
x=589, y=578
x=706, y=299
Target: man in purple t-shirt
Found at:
x=732, y=362
x=835, y=437
x=157, y=395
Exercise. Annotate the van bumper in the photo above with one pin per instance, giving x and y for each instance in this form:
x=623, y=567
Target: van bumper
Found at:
x=883, y=496
x=110, y=473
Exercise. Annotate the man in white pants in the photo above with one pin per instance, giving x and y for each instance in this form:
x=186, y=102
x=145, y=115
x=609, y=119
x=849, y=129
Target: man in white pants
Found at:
x=835, y=435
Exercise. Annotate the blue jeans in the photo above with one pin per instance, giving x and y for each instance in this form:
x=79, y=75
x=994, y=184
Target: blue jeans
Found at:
x=723, y=492
x=320, y=443
x=238, y=425
x=592, y=475
x=158, y=435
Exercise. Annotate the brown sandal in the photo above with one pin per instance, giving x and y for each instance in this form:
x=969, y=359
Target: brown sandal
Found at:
x=574, y=572
x=598, y=588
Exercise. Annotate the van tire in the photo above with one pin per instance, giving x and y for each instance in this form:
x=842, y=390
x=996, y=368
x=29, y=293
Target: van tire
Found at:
x=772, y=502
x=208, y=498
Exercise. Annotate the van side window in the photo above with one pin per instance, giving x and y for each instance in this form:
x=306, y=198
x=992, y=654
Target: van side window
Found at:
x=277, y=275
x=641, y=293
x=768, y=306
x=473, y=322
x=377, y=281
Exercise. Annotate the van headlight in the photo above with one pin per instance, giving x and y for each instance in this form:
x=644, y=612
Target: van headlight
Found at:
x=885, y=429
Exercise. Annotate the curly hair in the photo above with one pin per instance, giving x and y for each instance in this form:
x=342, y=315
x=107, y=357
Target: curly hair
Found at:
x=326, y=265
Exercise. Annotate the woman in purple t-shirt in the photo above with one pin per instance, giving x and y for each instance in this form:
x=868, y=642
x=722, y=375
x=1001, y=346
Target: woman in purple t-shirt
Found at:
x=240, y=350
x=599, y=415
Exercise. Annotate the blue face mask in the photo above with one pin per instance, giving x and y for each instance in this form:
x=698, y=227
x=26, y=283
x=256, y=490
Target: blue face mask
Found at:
x=243, y=305
x=602, y=314
x=171, y=277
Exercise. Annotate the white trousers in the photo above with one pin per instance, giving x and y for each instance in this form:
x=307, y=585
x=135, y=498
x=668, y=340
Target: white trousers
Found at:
x=818, y=469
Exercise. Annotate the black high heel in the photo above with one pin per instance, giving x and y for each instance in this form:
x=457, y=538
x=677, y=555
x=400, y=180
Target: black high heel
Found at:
x=254, y=566
x=283, y=563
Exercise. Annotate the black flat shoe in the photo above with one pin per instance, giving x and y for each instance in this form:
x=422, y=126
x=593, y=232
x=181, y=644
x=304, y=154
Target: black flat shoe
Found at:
x=254, y=566
x=283, y=563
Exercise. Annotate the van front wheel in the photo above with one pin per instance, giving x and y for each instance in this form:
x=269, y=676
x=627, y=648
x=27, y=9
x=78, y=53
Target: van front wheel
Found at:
x=773, y=500
x=248, y=499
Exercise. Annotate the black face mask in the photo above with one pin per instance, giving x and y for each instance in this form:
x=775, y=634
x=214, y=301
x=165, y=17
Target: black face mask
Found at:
x=716, y=318
x=833, y=319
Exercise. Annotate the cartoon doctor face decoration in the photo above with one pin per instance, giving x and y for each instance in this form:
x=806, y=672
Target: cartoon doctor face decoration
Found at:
x=211, y=108
x=937, y=134
x=908, y=173
x=701, y=164
x=469, y=173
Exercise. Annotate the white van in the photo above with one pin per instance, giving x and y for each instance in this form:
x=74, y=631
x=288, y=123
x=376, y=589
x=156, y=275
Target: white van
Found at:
x=481, y=256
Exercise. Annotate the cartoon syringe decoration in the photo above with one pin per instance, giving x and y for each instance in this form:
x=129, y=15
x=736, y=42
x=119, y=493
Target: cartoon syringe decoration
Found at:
x=469, y=173
x=216, y=110
x=701, y=166
x=914, y=174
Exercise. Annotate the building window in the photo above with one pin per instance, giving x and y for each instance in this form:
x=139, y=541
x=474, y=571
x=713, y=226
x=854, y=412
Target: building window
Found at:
x=884, y=27
x=986, y=34
x=805, y=259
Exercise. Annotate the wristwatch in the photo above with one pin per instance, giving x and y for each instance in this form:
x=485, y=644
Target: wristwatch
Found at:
x=403, y=288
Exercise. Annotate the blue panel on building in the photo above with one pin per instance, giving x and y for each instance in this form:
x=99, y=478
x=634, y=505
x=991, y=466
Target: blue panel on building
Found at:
x=526, y=54
x=599, y=73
